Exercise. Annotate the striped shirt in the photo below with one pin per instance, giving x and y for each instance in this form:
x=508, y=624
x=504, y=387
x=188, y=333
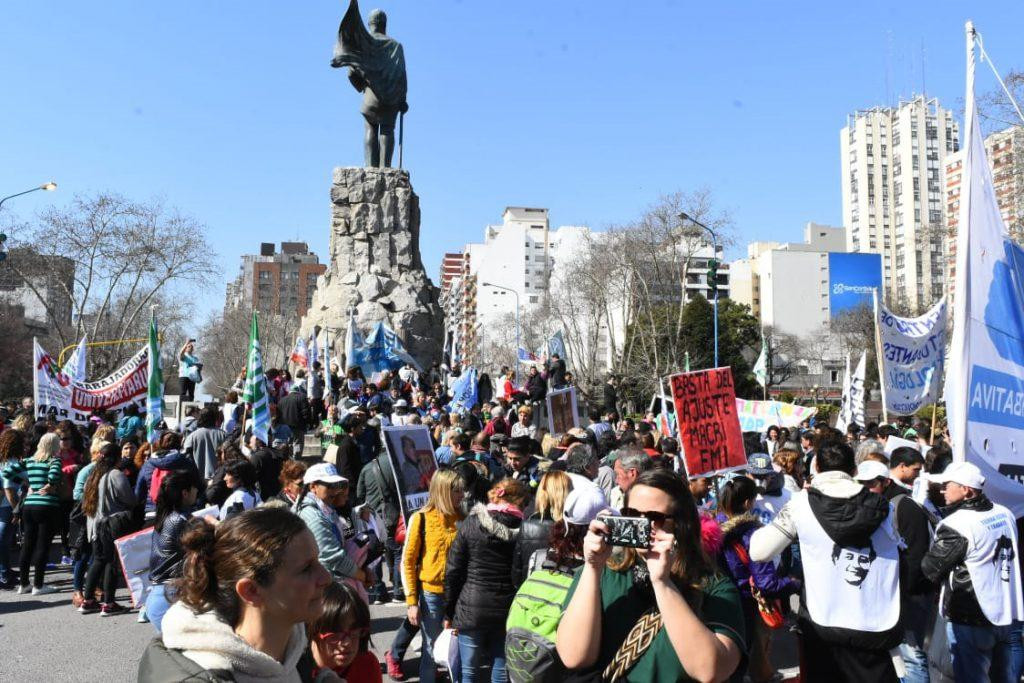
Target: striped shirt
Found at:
x=39, y=474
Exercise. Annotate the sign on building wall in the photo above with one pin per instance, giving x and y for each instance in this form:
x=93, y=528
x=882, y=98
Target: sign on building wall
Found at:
x=852, y=277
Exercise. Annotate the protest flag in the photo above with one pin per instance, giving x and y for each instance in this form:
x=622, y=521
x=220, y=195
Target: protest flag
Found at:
x=985, y=370
x=328, y=389
x=464, y=392
x=852, y=409
x=255, y=391
x=353, y=343
x=299, y=354
x=761, y=366
x=75, y=365
x=155, y=383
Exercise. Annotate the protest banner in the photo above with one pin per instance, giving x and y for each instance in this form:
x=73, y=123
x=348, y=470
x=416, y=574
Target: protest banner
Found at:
x=709, y=430
x=412, y=460
x=757, y=416
x=61, y=397
x=134, y=550
x=912, y=357
x=562, y=414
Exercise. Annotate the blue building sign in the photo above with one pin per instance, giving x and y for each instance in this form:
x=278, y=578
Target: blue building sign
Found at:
x=852, y=277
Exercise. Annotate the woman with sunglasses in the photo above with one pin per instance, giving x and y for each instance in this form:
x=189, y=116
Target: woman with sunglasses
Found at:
x=339, y=639
x=667, y=596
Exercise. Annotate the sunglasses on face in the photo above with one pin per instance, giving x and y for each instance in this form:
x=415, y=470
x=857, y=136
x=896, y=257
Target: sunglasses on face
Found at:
x=653, y=515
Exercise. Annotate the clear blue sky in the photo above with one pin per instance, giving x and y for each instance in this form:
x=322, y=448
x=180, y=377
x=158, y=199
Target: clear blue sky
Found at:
x=230, y=111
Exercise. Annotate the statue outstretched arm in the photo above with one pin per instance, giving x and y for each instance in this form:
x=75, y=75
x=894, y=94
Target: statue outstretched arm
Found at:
x=357, y=80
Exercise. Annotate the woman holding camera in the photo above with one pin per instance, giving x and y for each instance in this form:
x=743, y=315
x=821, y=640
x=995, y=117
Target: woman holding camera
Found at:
x=660, y=613
x=189, y=370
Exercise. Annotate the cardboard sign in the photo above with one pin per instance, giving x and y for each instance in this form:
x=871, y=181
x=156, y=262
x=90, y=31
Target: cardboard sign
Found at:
x=562, y=410
x=413, y=462
x=709, y=429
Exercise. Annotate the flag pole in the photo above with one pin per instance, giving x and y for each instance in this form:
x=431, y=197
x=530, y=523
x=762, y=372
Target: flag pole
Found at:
x=878, y=356
x=241, y=435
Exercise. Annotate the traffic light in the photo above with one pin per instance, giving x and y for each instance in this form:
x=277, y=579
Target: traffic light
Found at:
x=3, y=247
x=713, y=275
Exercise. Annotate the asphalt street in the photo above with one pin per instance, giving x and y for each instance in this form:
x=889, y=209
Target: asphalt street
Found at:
x=43, y=639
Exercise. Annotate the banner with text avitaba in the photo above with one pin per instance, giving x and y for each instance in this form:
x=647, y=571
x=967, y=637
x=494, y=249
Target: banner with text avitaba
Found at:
x=985, y=374
x=59, y=396
x=709, y=429
x=758, y=416
x=913, y=355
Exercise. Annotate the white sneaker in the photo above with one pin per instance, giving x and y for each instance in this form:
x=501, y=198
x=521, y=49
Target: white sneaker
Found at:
x=22, y=590
x=44, y=590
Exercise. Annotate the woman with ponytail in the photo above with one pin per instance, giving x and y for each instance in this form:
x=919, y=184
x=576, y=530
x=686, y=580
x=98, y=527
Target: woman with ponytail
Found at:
x=174, y=502
x=248, y=587
x=108, y=503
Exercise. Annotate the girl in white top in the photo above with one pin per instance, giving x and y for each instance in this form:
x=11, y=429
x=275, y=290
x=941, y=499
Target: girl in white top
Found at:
x=240, y=477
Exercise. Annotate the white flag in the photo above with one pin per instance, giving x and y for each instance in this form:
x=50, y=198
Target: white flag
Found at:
x=75, y=365
x=761, y=366
x=985, y=374
x=852, y=409
x=913, y=354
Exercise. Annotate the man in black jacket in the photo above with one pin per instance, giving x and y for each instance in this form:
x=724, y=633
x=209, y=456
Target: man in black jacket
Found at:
x=293, y=410
x=536, y=386
x=975, y=559
x=268, y=461
x=556, y=372
x=376, y=487
x=611, y=396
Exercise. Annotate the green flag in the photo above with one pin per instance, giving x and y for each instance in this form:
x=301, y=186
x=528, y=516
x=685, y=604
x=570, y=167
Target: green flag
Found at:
x=155, y=391
x=761, y=366
x=255, y=391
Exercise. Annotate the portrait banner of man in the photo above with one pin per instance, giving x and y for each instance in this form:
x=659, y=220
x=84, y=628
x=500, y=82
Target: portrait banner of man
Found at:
x=412, y=460
x=562, y=411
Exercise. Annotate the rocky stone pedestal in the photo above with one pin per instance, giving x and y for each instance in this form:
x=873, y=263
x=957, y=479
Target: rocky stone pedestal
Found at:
x=375, y=263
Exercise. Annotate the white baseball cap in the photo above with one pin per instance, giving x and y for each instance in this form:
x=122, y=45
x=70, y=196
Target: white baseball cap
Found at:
x=870, y=470
x=583, y=504
x=963, y=473
x=323, y=472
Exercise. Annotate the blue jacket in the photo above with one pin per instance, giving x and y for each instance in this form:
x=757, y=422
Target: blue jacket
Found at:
x=766, y=576
x=164, y=460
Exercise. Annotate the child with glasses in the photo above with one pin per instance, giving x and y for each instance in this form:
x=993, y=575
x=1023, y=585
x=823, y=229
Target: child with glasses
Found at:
x=339, y=639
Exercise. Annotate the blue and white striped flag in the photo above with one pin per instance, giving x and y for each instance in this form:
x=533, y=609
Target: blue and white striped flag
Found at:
x=255, y=391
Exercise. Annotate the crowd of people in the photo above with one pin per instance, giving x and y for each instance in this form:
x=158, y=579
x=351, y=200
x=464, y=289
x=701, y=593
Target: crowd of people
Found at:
x=888, y=563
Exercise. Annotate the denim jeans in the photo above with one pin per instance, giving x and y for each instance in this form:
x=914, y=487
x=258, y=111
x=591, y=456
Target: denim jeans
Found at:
x=81, y=565
x=996, y=650
x=431, y=621
x=403, y=637
x=157, y=604
x=915, y=660
x=479, y=647
x=393, y=556
x=6, y=538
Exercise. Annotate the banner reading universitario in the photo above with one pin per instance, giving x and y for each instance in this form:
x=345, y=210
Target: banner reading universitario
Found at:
x=912, y=358
x=758, y=416
x=58, y=395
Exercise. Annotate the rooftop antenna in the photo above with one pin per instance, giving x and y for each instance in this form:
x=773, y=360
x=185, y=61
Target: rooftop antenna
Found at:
x=924, y=89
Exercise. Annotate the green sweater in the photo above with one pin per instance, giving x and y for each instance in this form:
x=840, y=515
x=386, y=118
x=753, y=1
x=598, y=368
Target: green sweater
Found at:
x=39, y=474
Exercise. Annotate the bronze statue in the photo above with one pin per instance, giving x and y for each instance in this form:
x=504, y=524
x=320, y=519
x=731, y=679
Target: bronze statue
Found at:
x=376, y=66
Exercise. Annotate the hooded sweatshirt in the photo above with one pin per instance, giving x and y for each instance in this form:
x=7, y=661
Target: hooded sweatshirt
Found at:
x=164, y=460
x=213, y=644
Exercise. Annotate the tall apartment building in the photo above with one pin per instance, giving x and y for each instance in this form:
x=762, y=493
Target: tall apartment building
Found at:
x=276, y=282
x=1005, y=152
x=892, y=161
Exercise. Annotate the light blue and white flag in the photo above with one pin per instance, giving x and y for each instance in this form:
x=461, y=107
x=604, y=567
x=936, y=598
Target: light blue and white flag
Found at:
x=328, y=389
x=913, y=356
x=354, y=344
x=464, y=392
x=75, y=365
x=985, y=372
x=383, y=350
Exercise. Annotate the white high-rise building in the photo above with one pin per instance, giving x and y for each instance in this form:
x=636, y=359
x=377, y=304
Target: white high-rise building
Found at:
x=892, y=165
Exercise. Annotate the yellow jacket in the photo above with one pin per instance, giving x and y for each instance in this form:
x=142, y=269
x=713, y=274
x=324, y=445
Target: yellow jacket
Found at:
x=425, y=555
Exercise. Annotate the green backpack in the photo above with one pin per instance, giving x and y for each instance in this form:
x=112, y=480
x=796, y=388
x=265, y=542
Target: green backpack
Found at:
x=532, y=623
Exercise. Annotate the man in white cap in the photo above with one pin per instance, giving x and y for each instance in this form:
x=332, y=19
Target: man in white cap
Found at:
x=975, y=559
x=917, y=593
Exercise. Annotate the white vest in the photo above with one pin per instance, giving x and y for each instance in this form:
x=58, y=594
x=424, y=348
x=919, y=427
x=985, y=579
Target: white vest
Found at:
x=766, y=507
x=851, y=588
x=991, y=561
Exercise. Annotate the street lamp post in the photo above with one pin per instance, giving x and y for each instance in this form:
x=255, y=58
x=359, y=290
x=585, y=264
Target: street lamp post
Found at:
x=516, y=294
x=713, y=271
x=48, y=187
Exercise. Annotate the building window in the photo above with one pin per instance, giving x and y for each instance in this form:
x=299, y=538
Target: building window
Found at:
x=533, y=299
x=833, y=376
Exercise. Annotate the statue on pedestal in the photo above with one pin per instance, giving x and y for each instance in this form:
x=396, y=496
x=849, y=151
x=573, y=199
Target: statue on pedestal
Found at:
x=376, y=65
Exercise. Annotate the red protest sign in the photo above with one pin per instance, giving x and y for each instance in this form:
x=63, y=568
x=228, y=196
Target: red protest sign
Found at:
x=709, y=429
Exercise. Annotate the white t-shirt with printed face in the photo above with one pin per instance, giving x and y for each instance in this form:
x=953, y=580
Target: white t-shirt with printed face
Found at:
x=248, y=499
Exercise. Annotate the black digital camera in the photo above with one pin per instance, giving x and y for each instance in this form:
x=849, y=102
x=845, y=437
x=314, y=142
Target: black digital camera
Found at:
x=628, y=532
